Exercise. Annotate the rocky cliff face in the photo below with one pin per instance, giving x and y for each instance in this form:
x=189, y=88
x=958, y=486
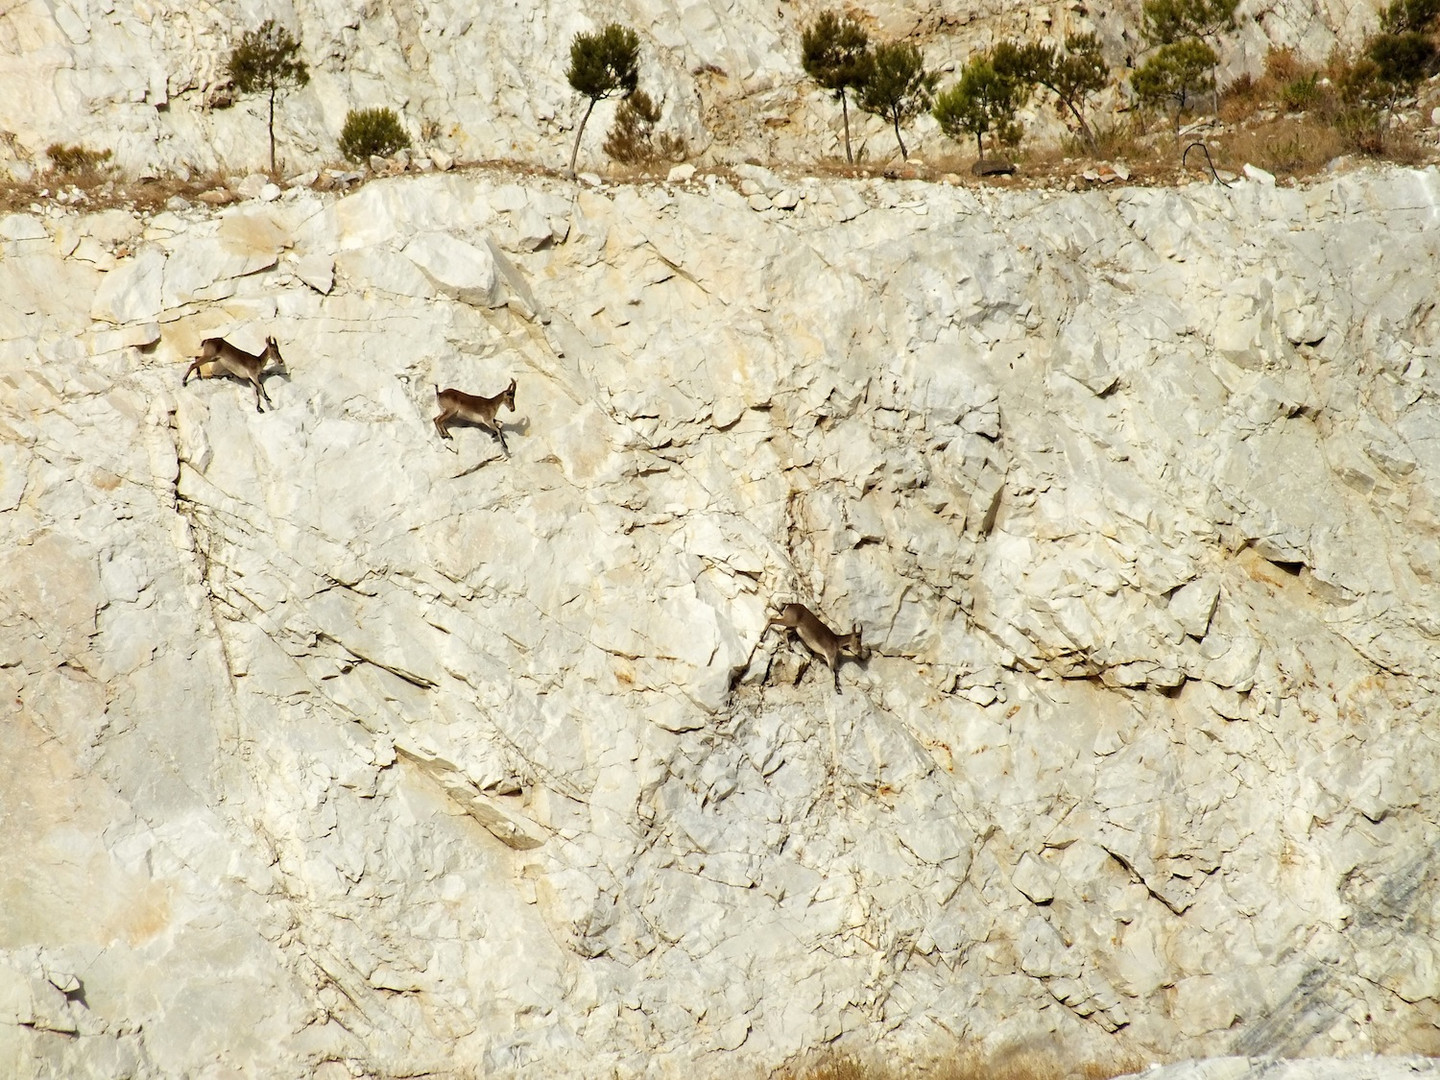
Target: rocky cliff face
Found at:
x=333, y=749
x=147, y=80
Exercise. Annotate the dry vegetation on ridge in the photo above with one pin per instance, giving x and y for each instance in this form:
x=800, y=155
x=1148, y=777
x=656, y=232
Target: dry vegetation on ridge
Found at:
x=1288, y=122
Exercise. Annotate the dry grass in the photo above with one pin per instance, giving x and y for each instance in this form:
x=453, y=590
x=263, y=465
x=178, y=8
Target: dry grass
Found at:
x=100, y=191
x=1297, y=117
x=1286, y=146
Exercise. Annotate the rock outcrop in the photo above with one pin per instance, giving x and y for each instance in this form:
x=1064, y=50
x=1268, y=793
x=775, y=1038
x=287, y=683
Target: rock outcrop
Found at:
x=332, y=750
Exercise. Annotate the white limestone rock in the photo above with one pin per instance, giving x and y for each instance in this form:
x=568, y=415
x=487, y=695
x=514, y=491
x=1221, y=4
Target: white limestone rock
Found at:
x=459, y=270
x=1193, y=605
x=316, y=270
x=133, y=291
x=496, y=745
x=22, y=227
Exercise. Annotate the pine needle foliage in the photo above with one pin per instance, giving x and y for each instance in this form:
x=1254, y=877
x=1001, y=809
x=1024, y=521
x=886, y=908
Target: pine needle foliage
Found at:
x=267, y=61
x=1402, y=61
x=1168, y=22
x=1176, y=26
x=1403, y=16
x=1071, y=75
x=1175, y=74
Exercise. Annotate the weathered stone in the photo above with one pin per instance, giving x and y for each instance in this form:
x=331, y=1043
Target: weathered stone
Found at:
x=132, y=292
x=457, y=269
x=316, y=270
x=404, y=753
x=1192, y=605
x=22, y=227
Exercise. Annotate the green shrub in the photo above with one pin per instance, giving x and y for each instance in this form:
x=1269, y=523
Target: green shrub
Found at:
x=1402, y=60
x=372, y=133
x=1300, y=94
x=1363, y=128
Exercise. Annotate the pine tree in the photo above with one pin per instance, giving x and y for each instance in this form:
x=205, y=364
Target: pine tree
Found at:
x=983, y=100
x=267, y=61
x=1175, y=22
x=1072, y=76
x=602, y=65
x=899, y=89
x=1176, y=73
x=836, y=54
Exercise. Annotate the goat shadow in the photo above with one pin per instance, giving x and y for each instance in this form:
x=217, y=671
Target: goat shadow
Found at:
x=240, y=380
x=518, y=427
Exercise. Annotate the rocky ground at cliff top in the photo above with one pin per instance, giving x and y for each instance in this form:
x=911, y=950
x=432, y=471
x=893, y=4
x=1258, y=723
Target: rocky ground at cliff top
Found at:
x=1358, y=1068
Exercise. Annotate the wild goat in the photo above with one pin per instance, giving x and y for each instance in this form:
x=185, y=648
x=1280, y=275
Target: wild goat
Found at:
x=458, y=405
x=819, y=638
x=237, y=362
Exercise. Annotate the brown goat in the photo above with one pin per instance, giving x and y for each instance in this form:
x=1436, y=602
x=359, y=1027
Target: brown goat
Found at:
x=458, y=405
x=819, y=638
x=244, y=366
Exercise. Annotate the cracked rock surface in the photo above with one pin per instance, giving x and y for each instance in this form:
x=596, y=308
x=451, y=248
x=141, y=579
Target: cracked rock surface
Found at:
x=335, y=749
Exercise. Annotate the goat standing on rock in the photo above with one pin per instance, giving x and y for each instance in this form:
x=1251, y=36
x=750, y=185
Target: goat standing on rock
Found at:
x=458, y=405
x=226, y=359
x=819, y=638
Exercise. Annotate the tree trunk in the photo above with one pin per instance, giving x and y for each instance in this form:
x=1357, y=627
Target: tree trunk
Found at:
x=575, y=150
x=272, y=132
x=980, y=146
x=845, y=110
x=1084, y=127
x=904, y=156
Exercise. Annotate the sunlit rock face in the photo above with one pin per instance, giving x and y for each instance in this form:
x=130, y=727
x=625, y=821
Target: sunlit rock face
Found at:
x=336, y=749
